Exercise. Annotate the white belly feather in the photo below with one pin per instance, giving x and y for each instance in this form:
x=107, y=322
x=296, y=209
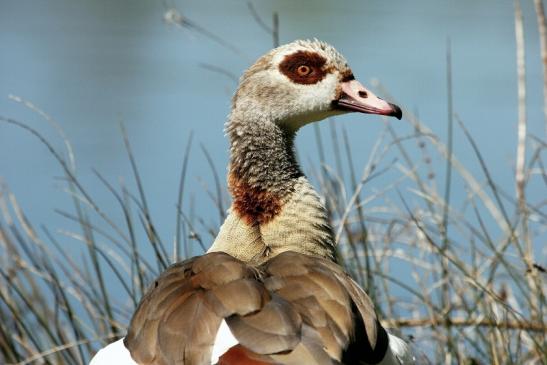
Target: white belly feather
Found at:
x=117, y=354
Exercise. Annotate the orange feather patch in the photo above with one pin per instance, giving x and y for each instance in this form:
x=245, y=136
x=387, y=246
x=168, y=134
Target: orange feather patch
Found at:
x=252, y=204
x=239, y=355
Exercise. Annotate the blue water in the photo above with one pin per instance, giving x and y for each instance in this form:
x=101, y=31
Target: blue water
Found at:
x=94, y=64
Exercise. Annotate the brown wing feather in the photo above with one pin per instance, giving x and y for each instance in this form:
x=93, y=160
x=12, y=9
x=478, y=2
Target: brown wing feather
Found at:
x=294, y=309
x=331, y=302
x=177, y=320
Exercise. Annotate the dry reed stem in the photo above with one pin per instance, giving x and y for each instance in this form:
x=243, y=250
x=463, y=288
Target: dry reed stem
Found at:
x=464, y=322
x=542, y=29
x=520, y=169
x=521, y=91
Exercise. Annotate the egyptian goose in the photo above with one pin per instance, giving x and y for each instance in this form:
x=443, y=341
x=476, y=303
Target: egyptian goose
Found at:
x=268, y=291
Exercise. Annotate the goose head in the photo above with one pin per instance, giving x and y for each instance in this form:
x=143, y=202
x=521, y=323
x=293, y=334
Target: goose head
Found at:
x=303, y=82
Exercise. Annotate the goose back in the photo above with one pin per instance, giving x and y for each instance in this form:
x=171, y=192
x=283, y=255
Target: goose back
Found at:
x=293, y=309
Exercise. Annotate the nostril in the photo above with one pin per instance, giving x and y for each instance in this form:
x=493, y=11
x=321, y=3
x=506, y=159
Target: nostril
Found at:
x=363, y=94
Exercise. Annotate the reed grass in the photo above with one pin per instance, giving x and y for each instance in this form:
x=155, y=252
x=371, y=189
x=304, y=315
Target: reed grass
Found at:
x=473, y=290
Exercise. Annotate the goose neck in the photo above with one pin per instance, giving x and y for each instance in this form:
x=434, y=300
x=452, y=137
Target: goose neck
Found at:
x=262, y=156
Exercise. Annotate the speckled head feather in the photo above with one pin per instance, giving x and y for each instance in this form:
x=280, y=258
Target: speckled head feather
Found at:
x=267, y=88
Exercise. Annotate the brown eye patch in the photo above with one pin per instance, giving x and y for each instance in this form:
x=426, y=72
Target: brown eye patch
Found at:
x=304, y=67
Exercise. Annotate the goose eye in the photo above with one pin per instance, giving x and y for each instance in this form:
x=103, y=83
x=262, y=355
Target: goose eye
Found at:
x=303, y=70
x=304, y=67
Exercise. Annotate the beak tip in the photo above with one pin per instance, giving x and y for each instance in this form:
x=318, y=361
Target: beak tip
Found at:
x=396, y=111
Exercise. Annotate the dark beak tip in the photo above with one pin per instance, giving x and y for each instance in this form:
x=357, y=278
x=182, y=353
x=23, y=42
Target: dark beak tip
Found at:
x=397, y=112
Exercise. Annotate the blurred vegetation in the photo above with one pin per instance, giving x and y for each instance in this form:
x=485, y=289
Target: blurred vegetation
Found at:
x=474, y=289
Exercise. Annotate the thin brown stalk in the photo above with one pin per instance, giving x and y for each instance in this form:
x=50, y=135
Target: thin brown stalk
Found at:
x=219, y=70
x=445, y=295
x=273, y=30
x=48, y=118
x=52, y=351
x=147, y=221
x=465, y=322
x=369, y=283
x=178, y=237
x=174, y=17
x=218, y=185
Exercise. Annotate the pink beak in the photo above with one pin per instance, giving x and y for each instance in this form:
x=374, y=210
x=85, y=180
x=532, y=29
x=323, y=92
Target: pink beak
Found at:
x=355, y=97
